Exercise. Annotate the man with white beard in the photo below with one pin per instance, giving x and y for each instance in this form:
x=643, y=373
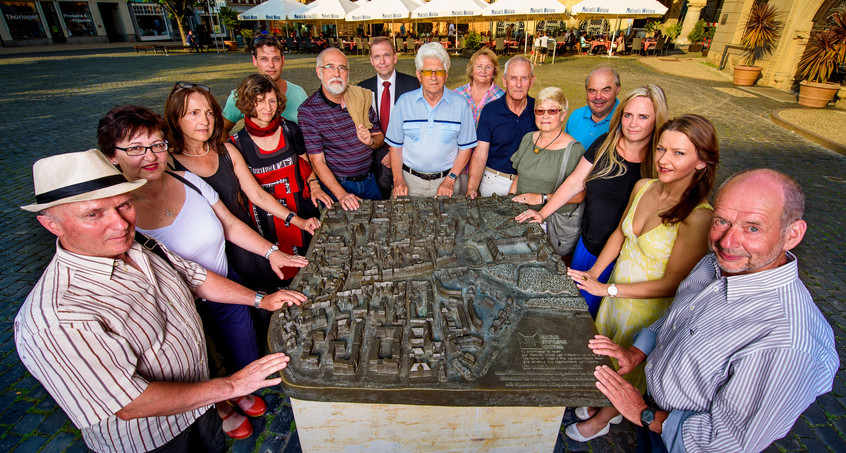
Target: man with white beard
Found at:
x=341, y=130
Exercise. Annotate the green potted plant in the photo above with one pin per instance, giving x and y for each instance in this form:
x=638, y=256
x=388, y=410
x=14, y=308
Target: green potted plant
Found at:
x=759, y=36
x=825, y=52
x=696, y=36
x=672, y=32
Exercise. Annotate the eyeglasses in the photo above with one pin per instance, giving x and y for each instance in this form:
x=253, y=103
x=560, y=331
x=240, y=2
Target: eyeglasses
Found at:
x=552, y=112
x=188, y=85
x=429, y=72
x=330, y=67
x=265, y=38
x=138, y=150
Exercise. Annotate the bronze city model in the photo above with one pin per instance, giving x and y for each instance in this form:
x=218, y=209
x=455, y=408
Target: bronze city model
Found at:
x=437, y=302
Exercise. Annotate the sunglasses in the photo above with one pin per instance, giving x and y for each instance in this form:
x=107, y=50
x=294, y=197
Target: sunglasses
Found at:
x=188, y=86
x=429, y=72
x=552, y=112
x=264, y=38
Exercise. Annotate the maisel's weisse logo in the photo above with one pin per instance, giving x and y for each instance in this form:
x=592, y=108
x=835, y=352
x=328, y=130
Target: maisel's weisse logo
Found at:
x=641, y=11
x=249, y=17
x=497, y=12
x=541, y=10
x=594, y=9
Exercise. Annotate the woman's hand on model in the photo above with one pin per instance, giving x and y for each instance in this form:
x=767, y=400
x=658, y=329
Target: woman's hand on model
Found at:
x=278, y=260
x=528, y=198
x=311, y=225
x=531, y=215
x=587, y=282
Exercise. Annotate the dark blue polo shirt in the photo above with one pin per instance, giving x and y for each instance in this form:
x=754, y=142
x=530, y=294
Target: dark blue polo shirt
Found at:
x=504, y=130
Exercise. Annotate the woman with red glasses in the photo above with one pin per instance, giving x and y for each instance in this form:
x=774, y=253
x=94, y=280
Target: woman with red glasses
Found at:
x=543, y=161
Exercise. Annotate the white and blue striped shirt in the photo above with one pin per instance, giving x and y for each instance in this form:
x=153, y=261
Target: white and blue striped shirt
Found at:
x=736, y=360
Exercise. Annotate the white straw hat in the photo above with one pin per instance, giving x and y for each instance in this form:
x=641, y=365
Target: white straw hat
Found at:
x=70, y=177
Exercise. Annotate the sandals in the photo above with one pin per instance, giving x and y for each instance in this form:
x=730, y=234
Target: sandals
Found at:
x=235, y=425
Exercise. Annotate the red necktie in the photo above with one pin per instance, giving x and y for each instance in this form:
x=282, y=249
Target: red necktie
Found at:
x=385, y=106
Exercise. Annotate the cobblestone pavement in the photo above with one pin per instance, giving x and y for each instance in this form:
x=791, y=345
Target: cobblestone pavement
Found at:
x=51, y=103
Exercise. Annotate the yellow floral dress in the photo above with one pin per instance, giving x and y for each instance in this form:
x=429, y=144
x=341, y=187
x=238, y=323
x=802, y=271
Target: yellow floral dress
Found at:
x=643, y=258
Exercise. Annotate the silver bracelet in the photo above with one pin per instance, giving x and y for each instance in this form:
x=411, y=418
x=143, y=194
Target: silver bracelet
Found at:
x=273, y=248
x=259, y=296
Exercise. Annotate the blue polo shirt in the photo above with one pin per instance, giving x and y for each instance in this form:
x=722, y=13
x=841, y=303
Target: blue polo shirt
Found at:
x=504, y=130
x=580, y=125
x=430, y=137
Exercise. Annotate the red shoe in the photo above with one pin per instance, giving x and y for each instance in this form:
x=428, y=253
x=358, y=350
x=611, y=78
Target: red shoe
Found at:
x=235, y=425
x=252, y=405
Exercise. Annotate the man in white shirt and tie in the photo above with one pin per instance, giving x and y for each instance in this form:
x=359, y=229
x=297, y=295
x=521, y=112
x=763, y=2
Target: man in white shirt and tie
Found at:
x=387, y=86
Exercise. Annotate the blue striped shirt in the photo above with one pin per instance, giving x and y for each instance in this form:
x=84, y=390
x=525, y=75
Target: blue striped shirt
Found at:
x=430, y=137
x=736, y=360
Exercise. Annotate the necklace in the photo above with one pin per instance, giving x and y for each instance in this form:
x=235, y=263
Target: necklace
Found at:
x=208, y=148
x=538, y=149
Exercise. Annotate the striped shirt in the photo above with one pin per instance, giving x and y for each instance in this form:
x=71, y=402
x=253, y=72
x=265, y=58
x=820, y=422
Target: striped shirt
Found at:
x=494, y=92
x=736, y=360
x=96, y=331
x=328, y=128
x=430, y=137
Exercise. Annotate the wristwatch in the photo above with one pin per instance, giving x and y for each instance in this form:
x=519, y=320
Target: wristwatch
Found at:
x=290, y=217
x=272, y=249
x=259, y=296
x=452, y=175
x=612, y=290
x=647, y=416
x=544, y=198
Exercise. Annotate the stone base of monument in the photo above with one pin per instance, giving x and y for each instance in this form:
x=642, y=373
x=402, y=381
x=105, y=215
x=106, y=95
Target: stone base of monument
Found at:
x=348, y=427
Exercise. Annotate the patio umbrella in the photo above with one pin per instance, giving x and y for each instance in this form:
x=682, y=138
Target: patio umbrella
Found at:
x=271, y=10
x=603, y=9
x=382, y=10
x=324, y=11
x=449, y=9
x=524, y=9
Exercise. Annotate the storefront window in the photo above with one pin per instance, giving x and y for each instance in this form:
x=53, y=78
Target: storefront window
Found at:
x=77, y=18
x=150, y=20
x=22, y=20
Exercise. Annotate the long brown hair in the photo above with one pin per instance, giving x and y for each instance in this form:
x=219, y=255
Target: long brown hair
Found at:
x=608, y=149
x=701, y=133
x=176, y=107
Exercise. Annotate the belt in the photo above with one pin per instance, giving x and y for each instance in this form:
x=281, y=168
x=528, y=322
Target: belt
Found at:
x=499, y=173
x=358, y=178
x=426, y=176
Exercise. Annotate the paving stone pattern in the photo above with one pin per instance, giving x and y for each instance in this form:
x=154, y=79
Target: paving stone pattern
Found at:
x=51, y=103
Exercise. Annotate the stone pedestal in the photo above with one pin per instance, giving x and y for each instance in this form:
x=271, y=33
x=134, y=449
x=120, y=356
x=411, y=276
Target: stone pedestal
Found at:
x=327, y=427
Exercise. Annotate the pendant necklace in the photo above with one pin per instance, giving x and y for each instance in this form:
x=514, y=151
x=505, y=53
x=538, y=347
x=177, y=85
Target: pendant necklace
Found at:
x=538, y=149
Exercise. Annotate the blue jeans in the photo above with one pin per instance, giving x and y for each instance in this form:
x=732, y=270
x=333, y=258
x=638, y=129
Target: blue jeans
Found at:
x=367, y=189
x=583, y=260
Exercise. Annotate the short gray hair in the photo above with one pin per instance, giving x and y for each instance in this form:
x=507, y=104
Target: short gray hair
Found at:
x=519, y=59
x=555, y=95
x=322, y=52
x=605, y=68
x=794, y=197
x=431, y=50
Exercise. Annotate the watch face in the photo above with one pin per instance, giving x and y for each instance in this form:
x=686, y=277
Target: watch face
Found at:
x=647, y=416
x=612, y=290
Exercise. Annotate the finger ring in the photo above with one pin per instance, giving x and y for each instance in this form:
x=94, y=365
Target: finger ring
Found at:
x=584, y=277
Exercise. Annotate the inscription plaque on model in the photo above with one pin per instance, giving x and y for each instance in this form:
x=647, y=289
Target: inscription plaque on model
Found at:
x=438, y=302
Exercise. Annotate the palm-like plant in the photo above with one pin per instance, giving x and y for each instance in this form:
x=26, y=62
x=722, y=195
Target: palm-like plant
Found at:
x=762, y=29
x=826, y=51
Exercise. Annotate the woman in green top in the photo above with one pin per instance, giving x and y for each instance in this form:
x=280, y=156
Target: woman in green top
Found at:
x=543, y=161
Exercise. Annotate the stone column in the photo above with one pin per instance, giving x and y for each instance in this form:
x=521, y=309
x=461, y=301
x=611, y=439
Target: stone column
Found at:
x=694, y=9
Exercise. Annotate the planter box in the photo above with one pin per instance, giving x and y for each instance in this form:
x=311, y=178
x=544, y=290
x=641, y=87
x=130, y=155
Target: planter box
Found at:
x=230, y=45
x=694, y=48
x=746, y=76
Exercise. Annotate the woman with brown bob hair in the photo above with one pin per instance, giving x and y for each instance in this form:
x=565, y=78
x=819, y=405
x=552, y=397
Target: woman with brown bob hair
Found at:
x=270, y=150
x=195, y=132
x=657, y=243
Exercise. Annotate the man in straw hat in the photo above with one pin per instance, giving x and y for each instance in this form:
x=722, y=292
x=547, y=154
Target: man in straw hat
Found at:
x=111, y=330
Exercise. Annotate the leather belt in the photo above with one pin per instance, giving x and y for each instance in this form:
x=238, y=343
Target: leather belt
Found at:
x=426, y=176
x=358, y=178
x=499, y=173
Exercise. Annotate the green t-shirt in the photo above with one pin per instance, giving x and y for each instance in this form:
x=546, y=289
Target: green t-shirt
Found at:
x=295, y=96
x=538, y=172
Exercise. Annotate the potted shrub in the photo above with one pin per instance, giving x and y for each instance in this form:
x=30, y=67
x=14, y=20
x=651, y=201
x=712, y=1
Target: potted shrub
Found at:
x=826, y=51
x=696, y=36
x=759, y=37
x=672, y=32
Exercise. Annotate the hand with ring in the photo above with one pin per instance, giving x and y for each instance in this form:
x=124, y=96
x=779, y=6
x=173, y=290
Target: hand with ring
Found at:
x=586, y=281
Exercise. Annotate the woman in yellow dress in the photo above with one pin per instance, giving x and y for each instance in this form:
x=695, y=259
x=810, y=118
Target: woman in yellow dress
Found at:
x=659, y=241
